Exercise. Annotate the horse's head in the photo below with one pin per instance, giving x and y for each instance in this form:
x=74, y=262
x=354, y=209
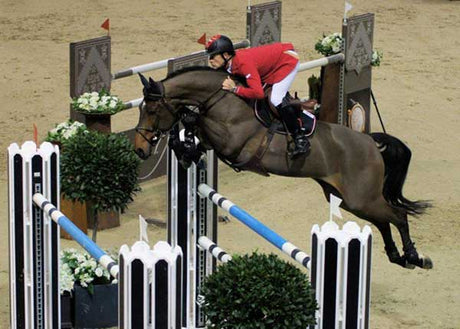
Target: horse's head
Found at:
x=157, y=116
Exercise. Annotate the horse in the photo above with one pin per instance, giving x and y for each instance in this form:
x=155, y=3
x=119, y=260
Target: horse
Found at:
x=366, y=171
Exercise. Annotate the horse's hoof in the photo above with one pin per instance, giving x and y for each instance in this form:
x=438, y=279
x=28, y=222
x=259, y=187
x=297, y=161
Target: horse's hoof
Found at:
x=409, y=266
x=426, y=262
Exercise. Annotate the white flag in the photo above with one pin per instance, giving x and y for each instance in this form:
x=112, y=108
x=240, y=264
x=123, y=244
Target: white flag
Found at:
x=143, y=229
x=334, y=206
x=348, y=7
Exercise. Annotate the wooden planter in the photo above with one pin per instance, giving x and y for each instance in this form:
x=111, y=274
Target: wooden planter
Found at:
x=107, y=219
x=81, y=215
x=77, y=213
x=93, y=121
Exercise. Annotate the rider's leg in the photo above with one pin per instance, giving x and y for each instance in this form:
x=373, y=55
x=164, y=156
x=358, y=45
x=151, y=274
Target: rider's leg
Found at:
x=289, y=114
x=291, y=117
x=280, y=89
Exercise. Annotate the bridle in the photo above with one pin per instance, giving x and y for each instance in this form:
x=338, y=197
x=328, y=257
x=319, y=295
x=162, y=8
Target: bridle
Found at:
x=201, y=107
x=157, y=133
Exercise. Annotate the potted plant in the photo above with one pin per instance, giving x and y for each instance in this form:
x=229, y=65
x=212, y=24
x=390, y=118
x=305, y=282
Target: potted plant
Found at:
x=101, y=170
x=332, y=44
x=65, y=130
x=89, y=296
x=96, y=108
x=258, y=291
x=59, y=135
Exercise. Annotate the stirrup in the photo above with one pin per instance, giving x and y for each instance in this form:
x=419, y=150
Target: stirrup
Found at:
x=301, y=146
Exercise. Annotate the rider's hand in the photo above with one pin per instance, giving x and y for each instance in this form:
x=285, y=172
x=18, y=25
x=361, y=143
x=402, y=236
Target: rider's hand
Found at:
x=229, y=84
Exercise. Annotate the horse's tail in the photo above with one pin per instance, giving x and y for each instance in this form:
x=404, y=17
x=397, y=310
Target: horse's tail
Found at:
x=396, y=156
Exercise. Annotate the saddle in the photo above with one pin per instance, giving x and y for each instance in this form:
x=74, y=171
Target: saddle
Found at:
x=268, y=115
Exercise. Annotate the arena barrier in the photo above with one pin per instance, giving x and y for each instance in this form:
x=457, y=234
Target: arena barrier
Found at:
x=341, y=275
x=81, y=238
x=164, y=63
x=255, y=225
x=161, y=65
x=150, y=286
x=211, y=247
x=338, y=58
x=340, y=263
x=34, y=224
x=189, y=218
x=34, y=236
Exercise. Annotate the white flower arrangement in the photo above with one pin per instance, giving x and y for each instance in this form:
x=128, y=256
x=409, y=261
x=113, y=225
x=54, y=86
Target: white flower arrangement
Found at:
x=376, y=58
x=65, y=130
x=80, y=268
x=97, y=102
x=332, y=44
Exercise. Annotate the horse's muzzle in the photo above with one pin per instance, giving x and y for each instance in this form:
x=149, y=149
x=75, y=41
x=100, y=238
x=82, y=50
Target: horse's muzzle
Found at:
x=152, y=142
x=142, y=154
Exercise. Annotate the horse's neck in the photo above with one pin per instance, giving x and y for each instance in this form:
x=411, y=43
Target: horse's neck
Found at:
x=228, y=125
x=192, y=86
x=227, y=122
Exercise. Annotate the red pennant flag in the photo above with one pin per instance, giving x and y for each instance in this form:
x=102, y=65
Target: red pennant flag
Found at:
x=35, y=135
x=202, y=39
x=106, y=24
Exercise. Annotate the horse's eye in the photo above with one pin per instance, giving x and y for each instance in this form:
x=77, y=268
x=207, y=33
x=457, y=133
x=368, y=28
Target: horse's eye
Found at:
x=152, y=110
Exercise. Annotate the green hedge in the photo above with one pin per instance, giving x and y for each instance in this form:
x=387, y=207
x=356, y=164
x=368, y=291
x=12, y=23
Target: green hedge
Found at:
x=258, y=291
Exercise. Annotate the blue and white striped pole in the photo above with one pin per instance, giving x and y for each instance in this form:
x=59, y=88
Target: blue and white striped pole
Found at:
x=218, y=253
x=277, y=240
x=92, y=248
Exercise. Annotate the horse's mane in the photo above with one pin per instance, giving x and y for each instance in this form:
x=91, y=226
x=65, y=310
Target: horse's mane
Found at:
x=239, y=78
x=192, y=69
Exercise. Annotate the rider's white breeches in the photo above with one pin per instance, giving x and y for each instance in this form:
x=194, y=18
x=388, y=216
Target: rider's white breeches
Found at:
x=280, y=89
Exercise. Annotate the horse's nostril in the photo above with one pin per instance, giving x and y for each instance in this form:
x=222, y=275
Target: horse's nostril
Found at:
x=140, y=153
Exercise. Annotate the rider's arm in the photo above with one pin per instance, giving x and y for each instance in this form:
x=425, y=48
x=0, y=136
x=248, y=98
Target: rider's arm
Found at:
x=254, y=89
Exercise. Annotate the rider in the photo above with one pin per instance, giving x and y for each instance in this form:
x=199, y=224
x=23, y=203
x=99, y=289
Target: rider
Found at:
x=275, y=64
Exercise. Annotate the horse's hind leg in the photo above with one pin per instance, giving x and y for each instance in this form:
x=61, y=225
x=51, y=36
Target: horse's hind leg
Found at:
x=381, y=214
x=410, y=253
x=390, y=246
x=384, y=227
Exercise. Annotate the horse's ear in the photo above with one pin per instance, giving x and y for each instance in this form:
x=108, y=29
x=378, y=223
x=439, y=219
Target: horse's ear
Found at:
x=144, y=80
x=155, y=87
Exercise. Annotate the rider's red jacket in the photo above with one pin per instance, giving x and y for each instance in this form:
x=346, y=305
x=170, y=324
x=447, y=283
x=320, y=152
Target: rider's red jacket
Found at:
x=265, y=64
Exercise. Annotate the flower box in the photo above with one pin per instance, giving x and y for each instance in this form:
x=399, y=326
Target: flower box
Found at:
x=97, y=310
x=66, y=310
x=94, y=121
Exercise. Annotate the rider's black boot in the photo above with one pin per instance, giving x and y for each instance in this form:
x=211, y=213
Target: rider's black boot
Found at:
x=291, y=117
x=302, y=144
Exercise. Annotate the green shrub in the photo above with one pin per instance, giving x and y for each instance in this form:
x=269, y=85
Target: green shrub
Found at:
x=258, y=291
x=100, y=168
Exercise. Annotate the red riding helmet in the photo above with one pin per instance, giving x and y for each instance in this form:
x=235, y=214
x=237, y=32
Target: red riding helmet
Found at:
x=219, y=44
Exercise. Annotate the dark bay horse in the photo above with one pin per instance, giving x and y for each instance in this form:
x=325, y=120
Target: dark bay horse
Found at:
x=366, y=171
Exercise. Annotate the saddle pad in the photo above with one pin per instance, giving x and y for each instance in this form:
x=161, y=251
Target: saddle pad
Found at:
x=266, y=117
